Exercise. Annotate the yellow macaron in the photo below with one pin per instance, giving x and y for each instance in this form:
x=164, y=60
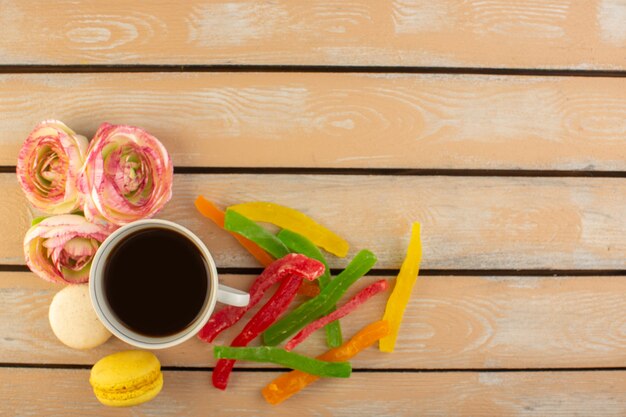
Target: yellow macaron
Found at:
x=126, y=378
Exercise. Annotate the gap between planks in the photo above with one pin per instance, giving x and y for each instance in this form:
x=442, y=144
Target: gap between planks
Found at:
x=342, y=69
x=70, y=366
x=426, y=172
x=376, y=272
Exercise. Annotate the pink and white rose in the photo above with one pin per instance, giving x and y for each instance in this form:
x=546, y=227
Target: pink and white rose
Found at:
x=127, y=176
x=60, y=248
x=48, y=165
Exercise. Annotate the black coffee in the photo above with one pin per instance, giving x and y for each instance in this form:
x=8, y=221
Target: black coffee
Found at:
x=155, y=281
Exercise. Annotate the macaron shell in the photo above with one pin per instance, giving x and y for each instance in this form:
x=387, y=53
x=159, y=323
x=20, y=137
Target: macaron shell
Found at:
x=73, y=319
x=130, y=398
x=121, y=370
x=126, y=378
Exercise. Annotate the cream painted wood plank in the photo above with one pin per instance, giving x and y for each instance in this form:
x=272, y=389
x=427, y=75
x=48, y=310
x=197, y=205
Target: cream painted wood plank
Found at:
x=518, y=33
x=519, y=394
x=451, y=322
x=337, y=120
x=468, y=222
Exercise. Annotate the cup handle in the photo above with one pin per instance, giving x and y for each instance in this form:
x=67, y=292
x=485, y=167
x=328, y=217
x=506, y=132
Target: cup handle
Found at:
x=232, y=296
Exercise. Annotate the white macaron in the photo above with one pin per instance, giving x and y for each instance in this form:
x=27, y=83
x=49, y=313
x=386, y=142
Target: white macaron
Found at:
x=73, y=319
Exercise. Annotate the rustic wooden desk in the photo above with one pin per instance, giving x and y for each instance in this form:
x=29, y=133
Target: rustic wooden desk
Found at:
x=500, y=125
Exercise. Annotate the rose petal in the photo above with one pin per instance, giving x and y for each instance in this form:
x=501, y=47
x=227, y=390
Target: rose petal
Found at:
x=78, y=247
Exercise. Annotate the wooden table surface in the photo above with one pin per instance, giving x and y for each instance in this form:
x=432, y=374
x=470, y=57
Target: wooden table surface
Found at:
x=500, y=125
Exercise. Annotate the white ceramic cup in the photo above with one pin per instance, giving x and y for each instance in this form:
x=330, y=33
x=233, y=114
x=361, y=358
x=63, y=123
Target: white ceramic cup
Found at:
x=216, y=291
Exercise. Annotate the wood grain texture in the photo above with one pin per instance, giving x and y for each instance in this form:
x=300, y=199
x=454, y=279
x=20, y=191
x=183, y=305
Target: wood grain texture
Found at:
x=450, y=323
x=337, y=120
x=524, y=394
x=475, y=33
x=468, y=222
